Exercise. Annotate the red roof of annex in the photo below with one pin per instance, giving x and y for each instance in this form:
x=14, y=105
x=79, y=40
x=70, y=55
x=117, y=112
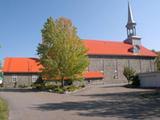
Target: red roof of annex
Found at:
x=21, y=65
x=31, y=65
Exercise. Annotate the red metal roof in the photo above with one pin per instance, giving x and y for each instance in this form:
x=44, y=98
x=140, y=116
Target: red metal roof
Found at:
x=21, y=65
x=31, y=65
x=93, y=74
x=97, y=47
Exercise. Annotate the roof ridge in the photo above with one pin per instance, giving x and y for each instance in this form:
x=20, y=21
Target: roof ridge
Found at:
x=102, y=40
x=21, y=57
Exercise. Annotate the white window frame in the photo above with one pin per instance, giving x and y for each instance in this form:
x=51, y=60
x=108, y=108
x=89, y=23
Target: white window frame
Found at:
x=34, y=78
x=14, y=78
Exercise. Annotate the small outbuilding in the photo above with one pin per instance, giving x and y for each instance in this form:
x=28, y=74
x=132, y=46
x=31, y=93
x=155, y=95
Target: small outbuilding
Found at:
x=150, y=79
x=20, y=71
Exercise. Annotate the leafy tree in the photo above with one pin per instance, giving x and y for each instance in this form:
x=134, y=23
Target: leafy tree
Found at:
x=158, y=61
x=62, y=53
x=129, y=73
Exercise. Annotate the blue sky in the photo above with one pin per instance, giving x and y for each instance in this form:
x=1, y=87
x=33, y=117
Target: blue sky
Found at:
x=21, y=22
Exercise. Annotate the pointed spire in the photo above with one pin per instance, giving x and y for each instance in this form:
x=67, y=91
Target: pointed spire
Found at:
x=132, y=38
x=131, y=24
x=130, y=15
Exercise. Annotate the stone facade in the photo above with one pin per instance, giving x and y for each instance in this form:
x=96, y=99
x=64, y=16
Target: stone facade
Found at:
x=113, y=66
x=19, y=79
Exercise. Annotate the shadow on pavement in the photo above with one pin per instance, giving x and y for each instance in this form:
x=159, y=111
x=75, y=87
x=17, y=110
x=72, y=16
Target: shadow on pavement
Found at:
x=131, y=105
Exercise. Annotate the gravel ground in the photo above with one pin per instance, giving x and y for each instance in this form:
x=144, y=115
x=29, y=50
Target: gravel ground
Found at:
x=94, y=103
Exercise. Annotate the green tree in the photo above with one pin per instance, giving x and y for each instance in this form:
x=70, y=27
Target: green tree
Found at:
x=158, y=61
x=62, y=53
x=129, y=73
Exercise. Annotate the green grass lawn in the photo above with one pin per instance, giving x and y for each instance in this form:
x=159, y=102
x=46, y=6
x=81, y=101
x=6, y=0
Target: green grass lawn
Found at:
x=3, y=110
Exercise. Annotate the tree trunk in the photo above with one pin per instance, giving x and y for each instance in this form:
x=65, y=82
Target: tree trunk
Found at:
x=62, y=82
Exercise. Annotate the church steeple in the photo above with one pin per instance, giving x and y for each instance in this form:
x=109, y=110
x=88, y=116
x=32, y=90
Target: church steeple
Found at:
x=132, y=38
x=131, y=24
x=130, y=15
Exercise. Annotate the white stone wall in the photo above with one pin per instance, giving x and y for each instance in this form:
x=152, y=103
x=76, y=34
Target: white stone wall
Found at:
x=150, y=79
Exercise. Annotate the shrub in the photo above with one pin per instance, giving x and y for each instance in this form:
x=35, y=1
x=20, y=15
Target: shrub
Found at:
x=39, y=86
x=129, y=73
x=39, y=80
x=49, y=86
x=69, y=82
x=22, y=86
x=71, y=88
x=59, y=90
x=82, y=86
x=135, y=81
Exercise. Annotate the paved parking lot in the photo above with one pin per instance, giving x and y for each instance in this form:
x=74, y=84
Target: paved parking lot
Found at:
x=95, y=103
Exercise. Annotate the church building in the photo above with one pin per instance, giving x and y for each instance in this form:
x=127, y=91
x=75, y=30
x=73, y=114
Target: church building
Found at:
x=111, y=57
x=107, y=60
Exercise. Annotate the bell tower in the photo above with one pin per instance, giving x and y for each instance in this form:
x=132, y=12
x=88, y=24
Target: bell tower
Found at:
x=132, y=37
